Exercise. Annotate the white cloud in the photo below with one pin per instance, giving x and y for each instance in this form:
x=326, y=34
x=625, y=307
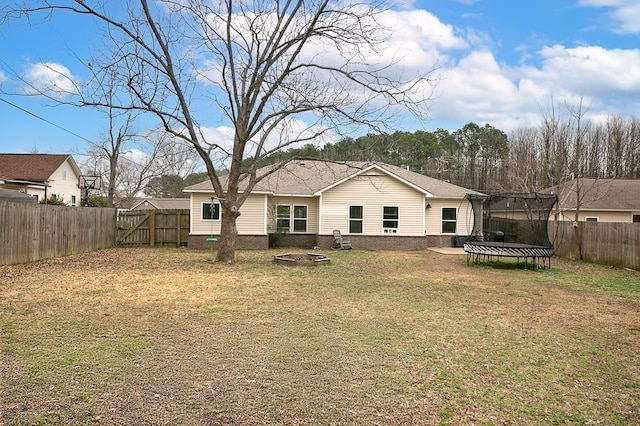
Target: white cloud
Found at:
x=221, y=136
x=480, y=89
x=476, y=89
x=623, y=13
x=49, y=79
x=3, y=77
x=592, y=69
x=419, y=31
x=136, y=156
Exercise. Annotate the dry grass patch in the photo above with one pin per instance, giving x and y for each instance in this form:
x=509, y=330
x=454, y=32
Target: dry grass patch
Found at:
x=165, y=336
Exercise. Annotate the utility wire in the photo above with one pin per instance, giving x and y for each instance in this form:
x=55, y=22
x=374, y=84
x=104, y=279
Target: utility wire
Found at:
x=43, y=119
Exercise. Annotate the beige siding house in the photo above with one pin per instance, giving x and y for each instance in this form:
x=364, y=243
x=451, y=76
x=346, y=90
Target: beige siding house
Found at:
x=598, y=200
x=42, y=176
x=377, y=205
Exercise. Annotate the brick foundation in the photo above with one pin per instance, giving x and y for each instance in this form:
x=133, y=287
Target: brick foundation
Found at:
x=309, y=241
x=383, y=242
x=306, y=241
x=257, y=242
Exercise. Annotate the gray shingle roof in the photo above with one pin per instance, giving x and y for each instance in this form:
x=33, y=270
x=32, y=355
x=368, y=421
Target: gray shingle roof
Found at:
x=311, y=177
x=16, y=196
x=599, y=194
x=161, y=204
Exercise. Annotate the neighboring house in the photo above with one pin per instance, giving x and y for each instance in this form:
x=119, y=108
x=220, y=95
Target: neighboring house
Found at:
x=41, y=176
x=598, y=200
x=377, y=205
x=161, y=204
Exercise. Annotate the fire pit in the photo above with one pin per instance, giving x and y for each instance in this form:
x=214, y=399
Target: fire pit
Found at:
x=305, y=259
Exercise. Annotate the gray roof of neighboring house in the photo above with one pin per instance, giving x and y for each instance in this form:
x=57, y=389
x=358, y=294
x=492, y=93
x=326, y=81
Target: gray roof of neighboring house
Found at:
x=32, y=167
x=16, y=196
x=599, y=194
x=311, y=177
x=161, y=204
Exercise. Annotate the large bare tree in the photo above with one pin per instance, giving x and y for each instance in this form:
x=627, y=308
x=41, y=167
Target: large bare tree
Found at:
x=279, y=72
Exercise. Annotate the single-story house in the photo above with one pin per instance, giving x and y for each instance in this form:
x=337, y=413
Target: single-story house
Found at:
x=42, y=176
x=161, y=204
x=598, y=200
x=377, y=205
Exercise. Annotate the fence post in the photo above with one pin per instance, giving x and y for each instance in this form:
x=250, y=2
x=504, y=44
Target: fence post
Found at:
x=152, y=227
x=178, y=228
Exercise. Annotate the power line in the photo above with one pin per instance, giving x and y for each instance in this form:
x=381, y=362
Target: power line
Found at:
x=43, y=119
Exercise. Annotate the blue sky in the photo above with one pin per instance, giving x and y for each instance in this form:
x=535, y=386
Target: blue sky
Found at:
x=502, y=63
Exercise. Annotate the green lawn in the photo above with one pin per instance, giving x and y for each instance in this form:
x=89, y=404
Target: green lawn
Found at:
x=165, y=336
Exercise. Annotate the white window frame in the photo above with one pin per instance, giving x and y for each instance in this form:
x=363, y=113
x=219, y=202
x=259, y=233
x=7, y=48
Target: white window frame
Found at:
x=443, y=221
x=279, y=218
x=387, y=229
x=357, y=219
x=292, y=219
x=591, y=219
x=295, y=219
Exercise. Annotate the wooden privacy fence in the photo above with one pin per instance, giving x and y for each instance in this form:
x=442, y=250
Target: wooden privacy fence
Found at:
x=30, y=232
x=153, y=227
x=616, y=244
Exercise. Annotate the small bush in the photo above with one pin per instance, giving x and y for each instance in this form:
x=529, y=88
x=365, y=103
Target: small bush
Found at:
x=54, y=201
x=97, y=202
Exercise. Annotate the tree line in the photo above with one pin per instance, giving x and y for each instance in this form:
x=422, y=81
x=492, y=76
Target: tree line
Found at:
x=486, y=159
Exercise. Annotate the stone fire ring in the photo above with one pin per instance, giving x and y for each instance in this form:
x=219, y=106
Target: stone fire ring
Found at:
x=304, y=259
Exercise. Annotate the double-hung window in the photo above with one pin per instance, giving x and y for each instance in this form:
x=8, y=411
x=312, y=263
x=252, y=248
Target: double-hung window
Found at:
x=449, y=219
x=210, y=211
x=283, y=218
x=356, y=217
x=299, y=218
x=286, y=216
x=390, y=216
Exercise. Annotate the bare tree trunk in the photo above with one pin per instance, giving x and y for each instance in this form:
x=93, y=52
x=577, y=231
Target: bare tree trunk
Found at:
x=113, y=172
x=228, y=234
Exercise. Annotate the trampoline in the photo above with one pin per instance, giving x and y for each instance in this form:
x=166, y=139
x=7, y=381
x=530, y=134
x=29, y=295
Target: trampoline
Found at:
x=514, y=226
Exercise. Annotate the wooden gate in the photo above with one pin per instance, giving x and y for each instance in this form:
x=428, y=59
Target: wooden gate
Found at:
x=153, y=227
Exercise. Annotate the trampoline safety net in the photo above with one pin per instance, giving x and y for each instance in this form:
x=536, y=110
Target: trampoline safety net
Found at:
x=516, y=218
